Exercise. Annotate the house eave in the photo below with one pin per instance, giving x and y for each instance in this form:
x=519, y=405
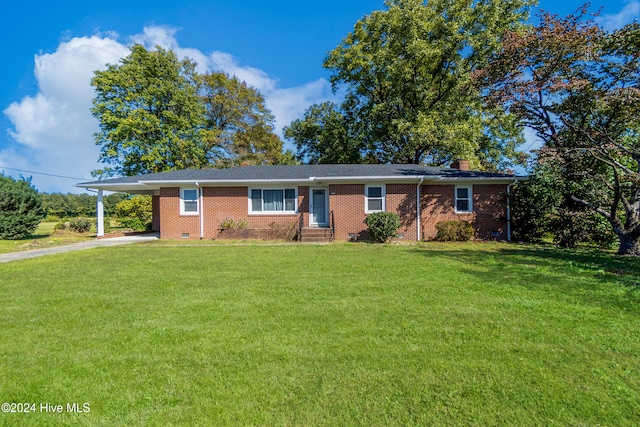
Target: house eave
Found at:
x=470, y=180
x=120, y=187
x=327, y=179
x=153, y=186
x=218, y=182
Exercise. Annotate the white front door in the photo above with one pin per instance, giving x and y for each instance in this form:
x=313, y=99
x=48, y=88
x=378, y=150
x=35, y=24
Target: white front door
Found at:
x=319, y=207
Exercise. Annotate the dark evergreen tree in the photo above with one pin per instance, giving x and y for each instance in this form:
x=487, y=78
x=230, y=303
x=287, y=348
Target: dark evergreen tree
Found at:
x=20, y=208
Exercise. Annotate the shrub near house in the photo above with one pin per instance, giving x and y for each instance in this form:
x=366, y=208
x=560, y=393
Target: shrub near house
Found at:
x=454, y=231
x=382, y=226
x=135, y=212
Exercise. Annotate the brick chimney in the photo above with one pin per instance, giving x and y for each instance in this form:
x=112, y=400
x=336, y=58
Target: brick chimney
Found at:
x=462, y=165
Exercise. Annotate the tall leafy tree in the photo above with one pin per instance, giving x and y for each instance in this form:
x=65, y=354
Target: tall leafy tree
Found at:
x=240, y=127
x=406, y=73
x=578, y=87
x=150, y=115
x=157, y=114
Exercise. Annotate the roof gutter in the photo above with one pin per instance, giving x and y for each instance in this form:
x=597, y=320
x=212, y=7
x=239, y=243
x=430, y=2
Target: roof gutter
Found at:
x=201, y=210
x=509, y=209
x=153, y=183
x=418, y=210
x=218, y=181
x=496, y=179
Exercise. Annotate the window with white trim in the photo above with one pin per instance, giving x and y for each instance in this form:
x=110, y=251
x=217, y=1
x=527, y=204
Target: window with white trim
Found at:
x=374, y=198
x=273, y=200
x=464, y=199
x=189, y=201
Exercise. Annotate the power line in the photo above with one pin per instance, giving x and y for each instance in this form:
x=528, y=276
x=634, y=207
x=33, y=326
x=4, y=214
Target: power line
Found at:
x=46, y=174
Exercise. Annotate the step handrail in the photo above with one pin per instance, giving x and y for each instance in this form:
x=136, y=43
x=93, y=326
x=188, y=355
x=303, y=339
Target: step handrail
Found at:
x=332, y=226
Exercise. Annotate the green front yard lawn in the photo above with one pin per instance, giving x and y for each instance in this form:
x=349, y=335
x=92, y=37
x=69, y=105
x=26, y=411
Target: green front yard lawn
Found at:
x=341, y=334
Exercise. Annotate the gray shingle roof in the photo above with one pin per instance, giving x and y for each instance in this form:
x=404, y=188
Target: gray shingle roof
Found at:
x=298, y=172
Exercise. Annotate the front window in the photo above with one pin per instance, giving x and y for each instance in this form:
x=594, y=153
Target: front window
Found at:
x=464, y=199
x=268, y=200
x=188, y=201
x=374, y=198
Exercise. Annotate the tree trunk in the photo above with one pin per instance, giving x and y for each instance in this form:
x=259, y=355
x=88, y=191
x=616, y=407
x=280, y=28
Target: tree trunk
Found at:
x=629, y=244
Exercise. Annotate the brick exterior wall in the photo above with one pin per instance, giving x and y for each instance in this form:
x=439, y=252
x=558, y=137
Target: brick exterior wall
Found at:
x=155, y=213
x=219, y=203
x=489, y=210
x=346, y=201
x=401, y=199
x=490, y=205
x=172, y=224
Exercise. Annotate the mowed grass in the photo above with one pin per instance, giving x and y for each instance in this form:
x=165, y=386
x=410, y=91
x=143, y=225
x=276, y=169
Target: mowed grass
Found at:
x=341, y=334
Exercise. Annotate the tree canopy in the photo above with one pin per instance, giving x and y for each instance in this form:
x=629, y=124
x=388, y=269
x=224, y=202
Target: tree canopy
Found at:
x=406, y=73
x=240, y=126
x=578, y=87
x=77, y=205
x=150, y=114
x=156, y=113
x=324, y=136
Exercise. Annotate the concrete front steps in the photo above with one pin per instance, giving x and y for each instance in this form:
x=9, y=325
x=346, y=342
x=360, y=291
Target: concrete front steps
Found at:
x=316, y=234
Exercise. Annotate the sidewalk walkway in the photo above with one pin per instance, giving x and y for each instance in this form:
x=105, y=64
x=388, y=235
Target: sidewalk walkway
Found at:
x=14, y=256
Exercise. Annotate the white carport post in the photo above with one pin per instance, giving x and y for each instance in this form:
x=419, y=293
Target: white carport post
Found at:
x=100, y=216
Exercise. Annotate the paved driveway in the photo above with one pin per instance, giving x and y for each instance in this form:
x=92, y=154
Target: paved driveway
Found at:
x=13, y=256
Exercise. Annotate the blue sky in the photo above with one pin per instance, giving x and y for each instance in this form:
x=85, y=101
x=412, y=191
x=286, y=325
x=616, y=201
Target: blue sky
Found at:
x=52, y=48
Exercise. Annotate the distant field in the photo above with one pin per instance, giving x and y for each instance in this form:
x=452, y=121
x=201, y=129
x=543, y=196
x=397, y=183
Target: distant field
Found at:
x=43, y=237
x=341, y=334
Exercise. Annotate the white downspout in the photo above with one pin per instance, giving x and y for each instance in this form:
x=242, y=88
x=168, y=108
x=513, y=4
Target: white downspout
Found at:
x=509, y=210
x=418, y=210
x=100, y=216
x=201, y=210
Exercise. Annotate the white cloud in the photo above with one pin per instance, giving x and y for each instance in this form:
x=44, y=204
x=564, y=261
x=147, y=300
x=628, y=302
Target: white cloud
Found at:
x=32, y=119
x=53, y=129
x=220, y=61
x=288, y=105
x=628, y=14
x=160, y=35
x=165, y=37
x=66, y=73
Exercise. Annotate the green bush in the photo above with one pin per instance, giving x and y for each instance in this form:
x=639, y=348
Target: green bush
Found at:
x=231, y=224
x=137, y=207
x=382, y=225
x=134, y=223
x=227, y=224
x=61, y=226
x=20, y=208
x=108, y=226
x=80, y=225
x=454, y=231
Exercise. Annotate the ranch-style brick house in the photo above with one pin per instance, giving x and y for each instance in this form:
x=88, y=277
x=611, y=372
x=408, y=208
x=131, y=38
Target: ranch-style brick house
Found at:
x=319, y=201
